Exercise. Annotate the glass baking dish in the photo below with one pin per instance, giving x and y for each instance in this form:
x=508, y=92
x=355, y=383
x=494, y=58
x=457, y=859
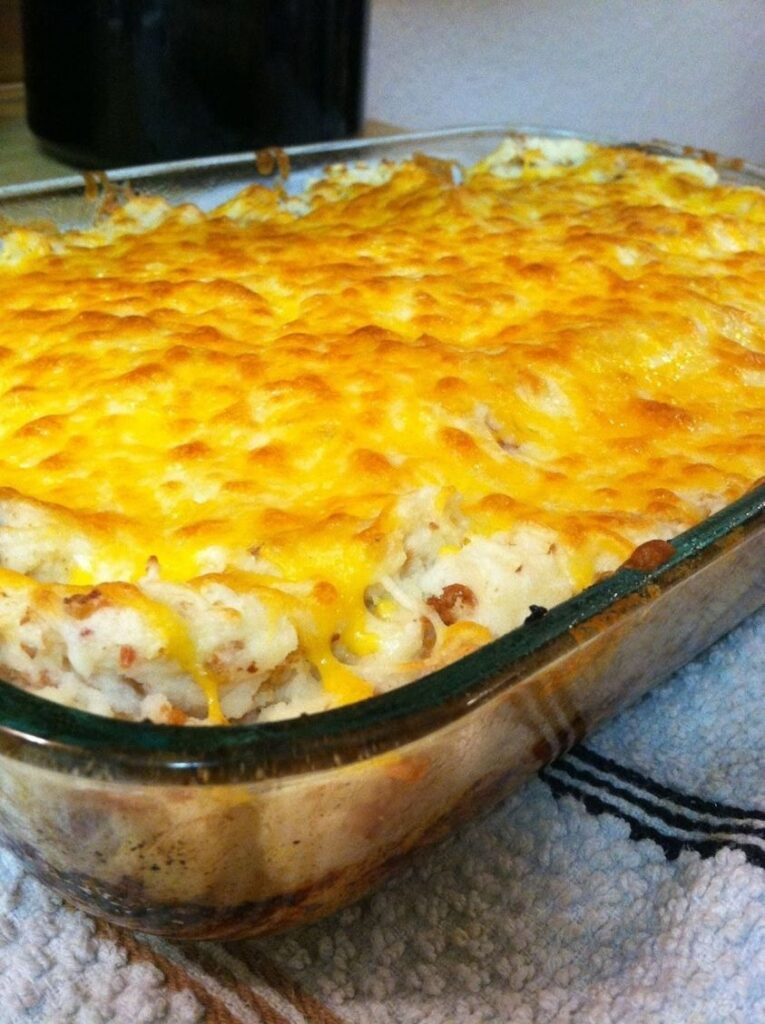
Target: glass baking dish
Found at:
x=234, y=831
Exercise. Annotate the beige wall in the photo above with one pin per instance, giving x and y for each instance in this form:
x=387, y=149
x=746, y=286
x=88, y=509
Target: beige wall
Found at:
x=10, y=41
x=688, y=70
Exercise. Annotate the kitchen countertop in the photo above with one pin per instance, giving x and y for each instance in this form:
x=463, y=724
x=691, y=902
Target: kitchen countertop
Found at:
x=22, y=159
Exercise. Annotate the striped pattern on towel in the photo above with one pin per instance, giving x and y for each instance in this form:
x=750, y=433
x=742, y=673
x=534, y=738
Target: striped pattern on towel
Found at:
x=622, y=886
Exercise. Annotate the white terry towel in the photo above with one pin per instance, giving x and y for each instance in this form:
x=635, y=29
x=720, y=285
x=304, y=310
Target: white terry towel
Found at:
x=624, y=885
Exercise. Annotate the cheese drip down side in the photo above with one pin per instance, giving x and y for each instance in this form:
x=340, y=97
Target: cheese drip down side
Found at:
x=314, y=416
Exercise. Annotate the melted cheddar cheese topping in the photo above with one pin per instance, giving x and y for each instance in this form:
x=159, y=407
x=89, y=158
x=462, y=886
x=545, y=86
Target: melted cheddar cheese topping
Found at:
x=572, y=339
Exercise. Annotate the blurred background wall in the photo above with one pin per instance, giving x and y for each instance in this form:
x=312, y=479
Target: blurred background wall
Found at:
x=692, y=71
x=10, y=41
x=687, y=70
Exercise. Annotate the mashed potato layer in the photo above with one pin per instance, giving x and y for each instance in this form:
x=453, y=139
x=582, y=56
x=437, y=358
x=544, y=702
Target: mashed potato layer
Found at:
x=294, y=452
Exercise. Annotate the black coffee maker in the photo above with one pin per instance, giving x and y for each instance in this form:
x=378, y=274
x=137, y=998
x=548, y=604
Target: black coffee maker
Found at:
x=117, y=82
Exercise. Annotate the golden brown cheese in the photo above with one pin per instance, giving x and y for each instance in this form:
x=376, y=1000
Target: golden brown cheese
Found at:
x=579, y=346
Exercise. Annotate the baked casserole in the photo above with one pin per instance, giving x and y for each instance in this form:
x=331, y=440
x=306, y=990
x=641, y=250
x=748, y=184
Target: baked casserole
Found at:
x=303, y=449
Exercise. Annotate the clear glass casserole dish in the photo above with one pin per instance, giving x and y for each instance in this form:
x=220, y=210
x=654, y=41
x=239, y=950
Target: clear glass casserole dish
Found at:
x=232, y=831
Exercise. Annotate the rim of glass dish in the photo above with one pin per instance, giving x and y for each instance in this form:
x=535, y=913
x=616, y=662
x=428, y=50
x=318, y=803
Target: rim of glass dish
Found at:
x=64, y=738
x=230, y=161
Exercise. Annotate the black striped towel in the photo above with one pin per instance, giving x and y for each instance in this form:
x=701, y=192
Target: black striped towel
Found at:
x=624, y=885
